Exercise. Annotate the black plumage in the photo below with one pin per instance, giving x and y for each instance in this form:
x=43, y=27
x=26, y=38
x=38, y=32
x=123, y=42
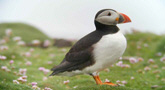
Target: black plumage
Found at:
x=80, y=55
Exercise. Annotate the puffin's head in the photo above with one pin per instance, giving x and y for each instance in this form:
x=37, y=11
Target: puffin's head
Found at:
x=111, y=17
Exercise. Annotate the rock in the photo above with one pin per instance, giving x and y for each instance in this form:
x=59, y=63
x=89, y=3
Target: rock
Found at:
x=62, y=43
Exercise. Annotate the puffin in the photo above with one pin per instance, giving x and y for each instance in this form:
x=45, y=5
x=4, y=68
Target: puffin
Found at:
x=97, y=50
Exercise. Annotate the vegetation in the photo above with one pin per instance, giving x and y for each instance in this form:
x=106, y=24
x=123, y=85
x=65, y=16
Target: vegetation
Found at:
x=147, y=72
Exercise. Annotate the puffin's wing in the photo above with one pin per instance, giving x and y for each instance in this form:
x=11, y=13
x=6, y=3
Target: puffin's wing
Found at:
x=80, y=55
x=75, y=61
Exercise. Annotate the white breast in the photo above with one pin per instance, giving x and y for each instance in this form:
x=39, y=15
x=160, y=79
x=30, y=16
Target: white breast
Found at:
x=107, y=51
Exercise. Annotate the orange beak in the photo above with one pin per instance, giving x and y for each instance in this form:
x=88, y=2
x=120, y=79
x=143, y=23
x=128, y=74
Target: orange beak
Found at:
x=124, y=18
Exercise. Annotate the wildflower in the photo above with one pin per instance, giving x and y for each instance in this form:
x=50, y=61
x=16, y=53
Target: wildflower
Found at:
x=11, y=61
x=4, y=68
x=156, y=71
x=46, y=43
x=35, y=88
x=140, y=59
x=2, y=41
x=50, y=62
x=24, y=80
x=155, y=66
x=15, y=81
x=120, y=58
x=27, y=54
x=24, y=77
x=159, y=54
x=147, y=68
x=157, y=76
x=31, y=49
x=151, y=61
x=21, y=43
x=132, y=78
x=46, y=88
x=36, y=42
x=45, y=78
x=3, y=57
x=75, y=86
x=22, y=71
x=118, y=81
x=13, y=57
x=17, y=38
x=145, y=45
x=106, y=70
x=34, y=83
x=66, y=82
x=106, y=80
x=120, y=63
x=2, y=48
x=8, y=32
x=46, y=71
x=132, y=60
x=123, y=82
x=41, y=68
x=162, y=59
x=28, y=63
x=20, y=79
x=64, y=50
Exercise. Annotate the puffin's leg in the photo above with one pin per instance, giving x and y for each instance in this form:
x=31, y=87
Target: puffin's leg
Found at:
x=99, y=82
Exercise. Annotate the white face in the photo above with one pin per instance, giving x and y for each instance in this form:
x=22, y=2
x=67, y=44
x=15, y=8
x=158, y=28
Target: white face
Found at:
x=108, y=17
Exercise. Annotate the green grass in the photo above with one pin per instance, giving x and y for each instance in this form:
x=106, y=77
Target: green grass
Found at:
x=40, y=57
x=27, y=32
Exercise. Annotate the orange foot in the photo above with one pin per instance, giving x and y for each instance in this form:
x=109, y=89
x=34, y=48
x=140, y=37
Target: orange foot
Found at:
x=109, y=83
x=99, y=82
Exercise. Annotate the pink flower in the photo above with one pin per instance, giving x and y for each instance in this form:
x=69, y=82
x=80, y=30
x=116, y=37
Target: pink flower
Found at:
x=20, y=79
x=145, y=45
x=22, y=71
x=123, y=82
x=15, y=81
x=17, y=38
x=4, y=68
x=147, y=68
x=27, y=54
x=120, y=63
x=162, y=59
x=46, y=43
x=31, y=49
x=66, y=82
x=118, y=81
x=35, y=87
x=45, y=78
x=3, y=57
x=41, y=68
x=50, y=62
x=46, y=88
x=28, y=63
x=34, y=83
x=140, y=59
x=21, y=43
x=24, y=77
x=2, y=41
x=2, y=48
x=132, y=60
x=159, y=54
x=106, y=80
x=8, y=32
x=151, y=61
x=36, y=42
x=132, y=78
x=11, y=61
x=46, y=71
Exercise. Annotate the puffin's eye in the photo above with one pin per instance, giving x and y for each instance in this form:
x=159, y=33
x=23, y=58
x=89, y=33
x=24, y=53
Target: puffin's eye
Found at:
x=109, y=14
